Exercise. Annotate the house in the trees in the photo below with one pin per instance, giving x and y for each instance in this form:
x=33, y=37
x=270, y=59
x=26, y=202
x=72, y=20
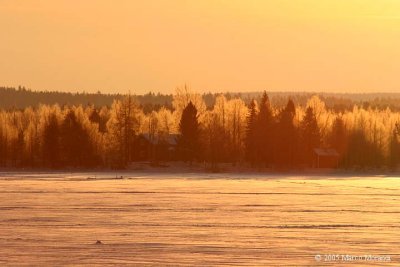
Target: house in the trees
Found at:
x=156, y=148
x=326, y=158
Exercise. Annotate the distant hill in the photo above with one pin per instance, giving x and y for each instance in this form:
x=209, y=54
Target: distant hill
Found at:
x=21, y=97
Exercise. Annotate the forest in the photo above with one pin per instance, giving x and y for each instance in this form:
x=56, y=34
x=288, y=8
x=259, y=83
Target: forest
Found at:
x=21, y=97
x=253, y=133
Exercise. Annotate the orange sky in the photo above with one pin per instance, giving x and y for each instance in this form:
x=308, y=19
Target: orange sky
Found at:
x=212, y=45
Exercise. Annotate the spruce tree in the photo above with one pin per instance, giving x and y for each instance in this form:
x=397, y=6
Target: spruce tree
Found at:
x=188, y=141
x=265, y=135
x=338, y=136
x=394, y=148
x=70, y=139
x=75, y=142
x=251, y=129
x=287, y=138
x=96, y=118
x=310, y=135
x=51, y=145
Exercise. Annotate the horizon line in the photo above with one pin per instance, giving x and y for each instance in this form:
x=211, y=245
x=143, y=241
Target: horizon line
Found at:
x=202, y=92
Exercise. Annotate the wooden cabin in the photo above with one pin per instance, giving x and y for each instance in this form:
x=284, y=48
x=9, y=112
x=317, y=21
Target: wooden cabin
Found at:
x=156, y=148
x=326, y=158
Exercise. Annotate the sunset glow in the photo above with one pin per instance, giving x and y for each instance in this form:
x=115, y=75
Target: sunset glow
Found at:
x=200, y=132
x=116, y=46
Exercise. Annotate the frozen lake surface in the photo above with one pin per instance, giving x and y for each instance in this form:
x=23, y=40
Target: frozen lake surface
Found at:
x=52, y=219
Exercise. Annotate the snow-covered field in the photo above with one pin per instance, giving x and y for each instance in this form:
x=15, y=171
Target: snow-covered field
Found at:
x=51, y=219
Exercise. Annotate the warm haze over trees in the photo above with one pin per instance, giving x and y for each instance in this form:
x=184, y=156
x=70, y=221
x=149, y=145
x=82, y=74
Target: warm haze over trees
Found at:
x=21, y=98
x=254, y=135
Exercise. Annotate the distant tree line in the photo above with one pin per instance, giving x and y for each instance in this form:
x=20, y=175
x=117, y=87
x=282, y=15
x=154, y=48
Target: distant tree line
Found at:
x=21, y=98
x=256, y=134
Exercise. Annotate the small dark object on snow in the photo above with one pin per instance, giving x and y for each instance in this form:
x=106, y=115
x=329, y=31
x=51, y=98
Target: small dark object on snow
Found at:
x=98, y=242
